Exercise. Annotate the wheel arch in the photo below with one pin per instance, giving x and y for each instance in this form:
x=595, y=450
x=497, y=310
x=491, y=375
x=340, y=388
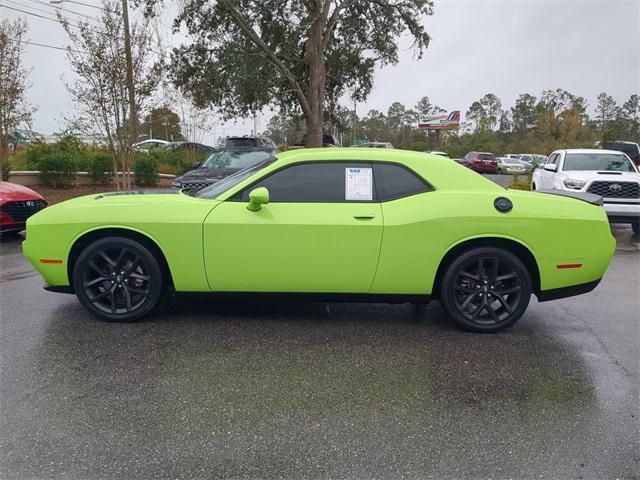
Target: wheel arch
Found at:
x=88, y=237
x=512, y=246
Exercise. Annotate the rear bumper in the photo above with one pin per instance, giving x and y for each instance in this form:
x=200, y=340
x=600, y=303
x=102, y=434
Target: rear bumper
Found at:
x=484, y=168
x=563, y=292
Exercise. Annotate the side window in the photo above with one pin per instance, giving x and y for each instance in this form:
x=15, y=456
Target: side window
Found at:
x=312, y=182
x=553, y=159
x=394, y=181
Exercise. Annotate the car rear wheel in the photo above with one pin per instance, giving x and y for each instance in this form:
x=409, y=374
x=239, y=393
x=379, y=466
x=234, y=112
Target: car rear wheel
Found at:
x=486, y=289
x=117, y=279
x=636, y=227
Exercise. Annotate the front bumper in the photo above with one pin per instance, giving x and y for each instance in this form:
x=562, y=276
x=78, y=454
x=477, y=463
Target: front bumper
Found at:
x=622, y=210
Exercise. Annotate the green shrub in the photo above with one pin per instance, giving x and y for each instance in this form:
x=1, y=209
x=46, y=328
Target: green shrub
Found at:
x=145, y=170
x=57, y=170
x=6, y=169
x=71, y=148
x=417, y=146
x=180, y=161
x=101, y=168
x=519, y=183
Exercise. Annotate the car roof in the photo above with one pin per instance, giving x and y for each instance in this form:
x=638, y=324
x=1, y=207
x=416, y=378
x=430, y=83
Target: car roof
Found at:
x=589, y=150
x=438, y=170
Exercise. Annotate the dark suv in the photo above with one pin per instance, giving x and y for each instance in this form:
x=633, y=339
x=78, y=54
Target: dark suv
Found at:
x=631, y=149
x=328, y=140
x=483, y=162
x=221, y=164
x=250, y=142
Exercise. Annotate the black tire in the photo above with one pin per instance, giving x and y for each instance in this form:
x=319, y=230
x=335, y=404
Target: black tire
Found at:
x=533, y=187
x=635, y=226
x=500, y=171
x=486, y=289
x=118, y=279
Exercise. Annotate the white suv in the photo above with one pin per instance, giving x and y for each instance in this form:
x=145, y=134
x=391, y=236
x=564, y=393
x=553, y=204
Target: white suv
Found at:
x=607, y=173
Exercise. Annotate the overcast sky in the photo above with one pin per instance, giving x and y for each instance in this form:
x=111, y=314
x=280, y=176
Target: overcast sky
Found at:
x=482, y=46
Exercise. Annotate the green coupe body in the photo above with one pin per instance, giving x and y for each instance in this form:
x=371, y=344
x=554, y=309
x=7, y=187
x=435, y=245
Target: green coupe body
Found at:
x=333, y=221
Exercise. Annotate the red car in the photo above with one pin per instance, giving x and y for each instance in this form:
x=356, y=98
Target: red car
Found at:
x=17, y=203
x=483, y=162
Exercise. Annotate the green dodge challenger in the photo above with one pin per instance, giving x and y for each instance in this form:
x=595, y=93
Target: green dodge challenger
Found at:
x=329, y=224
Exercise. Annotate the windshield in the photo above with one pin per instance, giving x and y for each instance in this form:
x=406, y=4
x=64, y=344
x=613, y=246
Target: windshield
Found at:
x=597, y=161
x=212, y=191
x=235, y=159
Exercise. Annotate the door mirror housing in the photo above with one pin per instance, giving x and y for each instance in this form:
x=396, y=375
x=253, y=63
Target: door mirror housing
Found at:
x=196, y=165
x=551, y=167
x=258, y=197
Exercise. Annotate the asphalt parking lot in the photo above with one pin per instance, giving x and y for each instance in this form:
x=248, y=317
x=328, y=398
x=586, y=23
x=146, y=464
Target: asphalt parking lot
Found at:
x=229, y=390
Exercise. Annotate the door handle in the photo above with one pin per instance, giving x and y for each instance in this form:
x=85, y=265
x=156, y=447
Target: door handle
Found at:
x=364, y=216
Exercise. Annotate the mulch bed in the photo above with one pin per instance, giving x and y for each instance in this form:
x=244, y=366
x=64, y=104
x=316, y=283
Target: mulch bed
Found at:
x=52, y=195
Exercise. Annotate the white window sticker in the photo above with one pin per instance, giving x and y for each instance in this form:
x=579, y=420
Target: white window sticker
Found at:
x=358, y=184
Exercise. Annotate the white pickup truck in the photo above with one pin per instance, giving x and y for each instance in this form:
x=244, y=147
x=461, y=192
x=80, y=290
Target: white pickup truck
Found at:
x=608, y=173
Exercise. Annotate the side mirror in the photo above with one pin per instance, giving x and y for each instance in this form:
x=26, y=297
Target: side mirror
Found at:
x=258, y=197
x=551, y=167
x=196, y=165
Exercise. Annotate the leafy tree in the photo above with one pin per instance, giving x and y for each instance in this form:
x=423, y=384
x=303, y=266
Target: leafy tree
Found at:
x=374, y=126
x=283, y=128
x=396, y=115
x=485, y=112
x=606, y=110
x=556, y=101
x=14, y=108
x=97, y=58
x=630, y=113
x=476, y=113
x=425, y=108
x=295, y=55
x=162, y=123
x=524, y=113
x=506, y=122
x=493, y=108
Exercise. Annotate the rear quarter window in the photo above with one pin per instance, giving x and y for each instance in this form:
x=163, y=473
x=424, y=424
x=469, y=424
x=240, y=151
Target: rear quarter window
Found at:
x=395, y=181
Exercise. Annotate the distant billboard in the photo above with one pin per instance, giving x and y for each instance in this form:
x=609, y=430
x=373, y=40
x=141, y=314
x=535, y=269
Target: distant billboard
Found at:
x=441, y=122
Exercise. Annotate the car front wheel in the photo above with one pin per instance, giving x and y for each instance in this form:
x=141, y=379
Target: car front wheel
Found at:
x=117, y=279
x=486, y=289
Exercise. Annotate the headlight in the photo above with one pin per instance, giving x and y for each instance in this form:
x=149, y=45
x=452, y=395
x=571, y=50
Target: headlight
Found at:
x=176, y=184
x=574, y=184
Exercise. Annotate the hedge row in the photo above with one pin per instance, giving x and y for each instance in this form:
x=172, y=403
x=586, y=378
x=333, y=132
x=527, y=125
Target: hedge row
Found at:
x=59, y=162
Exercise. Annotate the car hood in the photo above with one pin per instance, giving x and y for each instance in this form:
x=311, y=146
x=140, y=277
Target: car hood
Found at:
x=199, y=174
x=587, y=175
x=151, y=196
x=12, y=192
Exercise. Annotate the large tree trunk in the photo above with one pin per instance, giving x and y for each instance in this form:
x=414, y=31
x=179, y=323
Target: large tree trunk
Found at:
x=317, y=79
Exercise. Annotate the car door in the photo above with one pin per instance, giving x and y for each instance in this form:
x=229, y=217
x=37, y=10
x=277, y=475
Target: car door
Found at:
x=407, y=260
x=546, y=176
x=320, y=232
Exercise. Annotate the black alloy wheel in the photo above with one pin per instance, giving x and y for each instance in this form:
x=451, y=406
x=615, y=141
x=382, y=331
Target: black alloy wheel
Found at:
x=117, y=279
x=486, y=289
